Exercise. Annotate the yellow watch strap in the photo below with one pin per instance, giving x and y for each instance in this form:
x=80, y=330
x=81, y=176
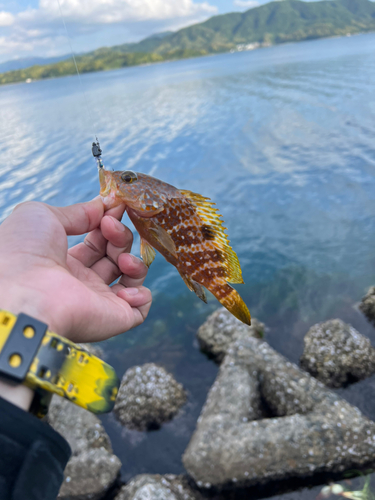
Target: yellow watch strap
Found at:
x=56, y=364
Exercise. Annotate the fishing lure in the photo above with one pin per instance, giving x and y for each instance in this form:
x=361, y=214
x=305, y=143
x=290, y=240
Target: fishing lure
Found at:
x=184, y=227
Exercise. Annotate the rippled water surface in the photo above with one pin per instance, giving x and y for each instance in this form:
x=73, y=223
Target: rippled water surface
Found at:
x=283, y=139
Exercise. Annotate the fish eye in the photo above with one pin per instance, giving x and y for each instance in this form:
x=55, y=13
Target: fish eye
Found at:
x=128, y=176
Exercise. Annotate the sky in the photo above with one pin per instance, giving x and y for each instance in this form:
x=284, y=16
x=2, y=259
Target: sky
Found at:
x=31, y=28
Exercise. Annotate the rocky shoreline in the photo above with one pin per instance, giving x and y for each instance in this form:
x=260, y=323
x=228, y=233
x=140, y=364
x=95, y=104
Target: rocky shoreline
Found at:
x=265, y=420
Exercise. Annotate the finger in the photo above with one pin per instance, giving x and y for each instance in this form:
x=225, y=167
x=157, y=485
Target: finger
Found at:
x=80, y=218
x=117, y=212
x=133, y=270
x=91, y=250
x=106, y=315
x=136, y=297
x=116, y=233
x=94, y=246
x=107, y=270
x=140, y=299
x=107, y=267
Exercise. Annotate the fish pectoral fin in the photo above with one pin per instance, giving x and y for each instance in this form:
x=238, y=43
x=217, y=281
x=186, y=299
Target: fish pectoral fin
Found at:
x=147, y=253
x=164, y=239
x=194, y=287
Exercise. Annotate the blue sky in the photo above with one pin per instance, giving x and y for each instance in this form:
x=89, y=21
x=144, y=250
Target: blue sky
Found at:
x=34, y=27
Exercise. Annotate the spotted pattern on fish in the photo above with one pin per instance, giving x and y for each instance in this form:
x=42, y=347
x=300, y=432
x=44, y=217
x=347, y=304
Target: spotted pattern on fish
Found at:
x=186, y=228
x=198, y=255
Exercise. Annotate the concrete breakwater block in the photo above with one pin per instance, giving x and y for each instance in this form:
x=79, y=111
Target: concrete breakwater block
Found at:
x=156, y=487
x=367, y=305
x=221, y=328
x=92, y=468
x=337, y=354
x=265, y=420
x=148, y=397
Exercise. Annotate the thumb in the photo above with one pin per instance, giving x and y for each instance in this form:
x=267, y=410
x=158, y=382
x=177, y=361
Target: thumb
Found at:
x=80, y=218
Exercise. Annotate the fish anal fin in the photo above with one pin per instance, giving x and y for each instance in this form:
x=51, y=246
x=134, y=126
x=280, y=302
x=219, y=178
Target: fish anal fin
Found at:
x=213, y=230
x=147, y=252
x=164, y=239
x=194, y=287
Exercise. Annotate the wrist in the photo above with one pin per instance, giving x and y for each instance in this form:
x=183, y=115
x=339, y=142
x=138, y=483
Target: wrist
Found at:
x=19, y=395
x=26, y=301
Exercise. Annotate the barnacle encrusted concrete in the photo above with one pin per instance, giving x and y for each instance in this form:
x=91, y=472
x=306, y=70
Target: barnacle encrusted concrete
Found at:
x=156, y=487
x=221, y=329
x=148, y=396
x=92, y=468
x=337, y=354
x=264, y=419
x=367, y=305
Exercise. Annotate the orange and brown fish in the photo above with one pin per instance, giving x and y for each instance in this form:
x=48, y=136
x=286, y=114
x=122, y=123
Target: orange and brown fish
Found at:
x=185, y=228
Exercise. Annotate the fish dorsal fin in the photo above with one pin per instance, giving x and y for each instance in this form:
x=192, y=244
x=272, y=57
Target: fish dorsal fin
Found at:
x=212, y=221
x=164, y=239
x=147, y=253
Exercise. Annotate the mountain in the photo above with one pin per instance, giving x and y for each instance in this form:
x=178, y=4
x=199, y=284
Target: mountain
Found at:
x=26, y=62
x=271, y=23
x=146, y=45
x=275, y=22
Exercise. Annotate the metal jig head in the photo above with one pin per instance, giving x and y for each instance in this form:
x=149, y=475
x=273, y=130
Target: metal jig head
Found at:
x=97, y=153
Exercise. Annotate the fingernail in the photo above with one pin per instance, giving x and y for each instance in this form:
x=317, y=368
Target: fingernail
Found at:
x=118, y=224
x=135, y=259
x=132, y=291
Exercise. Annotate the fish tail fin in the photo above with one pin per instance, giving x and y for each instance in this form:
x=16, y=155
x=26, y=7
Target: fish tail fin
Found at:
x=231, y=300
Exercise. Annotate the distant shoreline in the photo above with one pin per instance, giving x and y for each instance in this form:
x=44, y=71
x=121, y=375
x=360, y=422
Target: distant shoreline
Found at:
x=269, y=24
x=256, y=46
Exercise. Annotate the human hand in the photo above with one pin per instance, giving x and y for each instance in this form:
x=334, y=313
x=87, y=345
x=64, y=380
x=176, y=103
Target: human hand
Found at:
x=69, y=289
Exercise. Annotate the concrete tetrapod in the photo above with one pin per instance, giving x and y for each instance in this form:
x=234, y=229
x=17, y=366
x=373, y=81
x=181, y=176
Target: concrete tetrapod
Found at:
x=93, y=468
x=156, y=487
x=336, y=354
x=367, y=305
x=307, y=429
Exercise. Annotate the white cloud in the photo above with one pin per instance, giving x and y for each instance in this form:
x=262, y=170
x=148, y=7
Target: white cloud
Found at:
x=246, y=4
x=116, y=11
x=6, y=18
x=41, y=27
x=13, y=46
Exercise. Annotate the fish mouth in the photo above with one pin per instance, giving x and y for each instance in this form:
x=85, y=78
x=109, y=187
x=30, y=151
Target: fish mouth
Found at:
x=106, y=183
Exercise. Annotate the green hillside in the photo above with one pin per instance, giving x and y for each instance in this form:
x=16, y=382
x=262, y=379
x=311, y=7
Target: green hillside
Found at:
x=275, y=22
x=272, y=23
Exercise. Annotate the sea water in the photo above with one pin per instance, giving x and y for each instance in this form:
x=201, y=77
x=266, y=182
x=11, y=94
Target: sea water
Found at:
x=281, y=138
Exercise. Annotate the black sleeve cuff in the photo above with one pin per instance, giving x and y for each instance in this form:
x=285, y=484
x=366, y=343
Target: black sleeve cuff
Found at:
x=32, y=456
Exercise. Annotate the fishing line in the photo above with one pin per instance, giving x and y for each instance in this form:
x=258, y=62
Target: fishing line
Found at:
x=78, y=73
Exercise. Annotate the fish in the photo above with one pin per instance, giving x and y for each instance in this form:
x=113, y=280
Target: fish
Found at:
x=185, y=228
